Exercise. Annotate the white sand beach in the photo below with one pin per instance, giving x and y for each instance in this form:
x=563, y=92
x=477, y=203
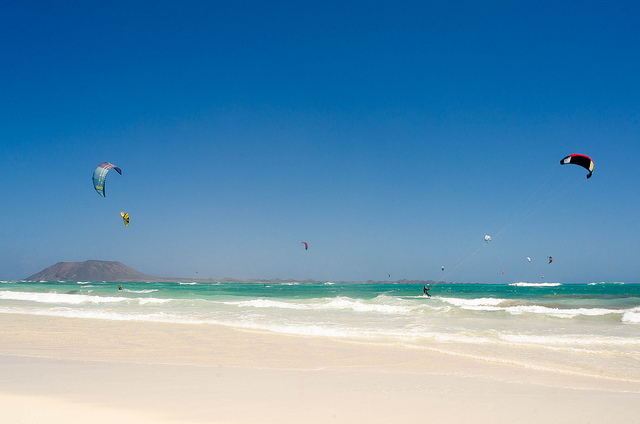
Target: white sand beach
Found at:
x=65, y=370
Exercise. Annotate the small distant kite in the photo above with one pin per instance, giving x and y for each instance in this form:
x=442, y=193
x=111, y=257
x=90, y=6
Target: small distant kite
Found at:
x=487, y=238
x=306, y=246
x=443, y=268
x=503, y=272
x=529, y=259
x=125, y=218
x=100, y=175
x=580, y=160
x=550, y=259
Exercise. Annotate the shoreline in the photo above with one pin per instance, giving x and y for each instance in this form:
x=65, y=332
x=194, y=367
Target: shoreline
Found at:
x=206, y=373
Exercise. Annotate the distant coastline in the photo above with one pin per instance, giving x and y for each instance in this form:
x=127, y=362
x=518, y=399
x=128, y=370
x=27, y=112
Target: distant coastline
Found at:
x=98, y=270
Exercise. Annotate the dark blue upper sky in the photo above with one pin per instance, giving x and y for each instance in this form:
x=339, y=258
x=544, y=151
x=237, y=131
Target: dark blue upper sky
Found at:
x=391, y=136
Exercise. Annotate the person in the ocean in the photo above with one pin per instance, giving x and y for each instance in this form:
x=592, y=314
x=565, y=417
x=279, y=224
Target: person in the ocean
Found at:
x=425, y=290
x=119, y=286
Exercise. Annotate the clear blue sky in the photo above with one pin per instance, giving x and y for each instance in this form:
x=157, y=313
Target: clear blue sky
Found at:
x=391, y=136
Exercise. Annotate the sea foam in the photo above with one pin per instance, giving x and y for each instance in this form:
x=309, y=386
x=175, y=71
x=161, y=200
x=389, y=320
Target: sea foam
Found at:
x=54, y=298
x=73, y=299
x=524, y=284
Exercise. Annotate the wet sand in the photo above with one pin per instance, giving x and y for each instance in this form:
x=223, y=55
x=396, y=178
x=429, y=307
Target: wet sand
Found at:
x=81, y=370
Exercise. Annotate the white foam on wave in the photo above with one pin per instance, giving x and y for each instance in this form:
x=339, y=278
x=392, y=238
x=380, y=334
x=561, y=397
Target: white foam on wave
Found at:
x=560, y=313
x=67, y=312
x=568, y=340
x=145, y=301
x=525, y=284
x=474, y=303
x=294, y=329
x=494, y=305
x=72, y=299
x=339, y=303
x=341, y=331
x=140, y=291
x=187, y=284
x=412, y=334
x=267, y=303
x=632, y=316
x=362, y=306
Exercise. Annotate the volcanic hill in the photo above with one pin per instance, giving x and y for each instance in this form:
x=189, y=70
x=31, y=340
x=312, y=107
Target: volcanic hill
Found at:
x=91, y=270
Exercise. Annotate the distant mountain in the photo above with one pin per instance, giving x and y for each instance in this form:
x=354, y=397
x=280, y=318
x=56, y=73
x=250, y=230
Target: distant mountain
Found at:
x=90, y=271
x=115, y=271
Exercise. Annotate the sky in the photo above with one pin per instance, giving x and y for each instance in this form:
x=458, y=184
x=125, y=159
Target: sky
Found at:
x=390, y=136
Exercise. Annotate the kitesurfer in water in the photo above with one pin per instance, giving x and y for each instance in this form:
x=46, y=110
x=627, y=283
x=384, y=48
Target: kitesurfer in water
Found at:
x=119, y=286
x=425, y=290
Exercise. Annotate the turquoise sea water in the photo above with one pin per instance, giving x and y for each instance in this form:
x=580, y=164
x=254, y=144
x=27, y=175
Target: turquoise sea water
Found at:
x=587, y=329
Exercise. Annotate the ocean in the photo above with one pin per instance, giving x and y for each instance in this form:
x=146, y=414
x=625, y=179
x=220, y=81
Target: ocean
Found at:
x=590, y=329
